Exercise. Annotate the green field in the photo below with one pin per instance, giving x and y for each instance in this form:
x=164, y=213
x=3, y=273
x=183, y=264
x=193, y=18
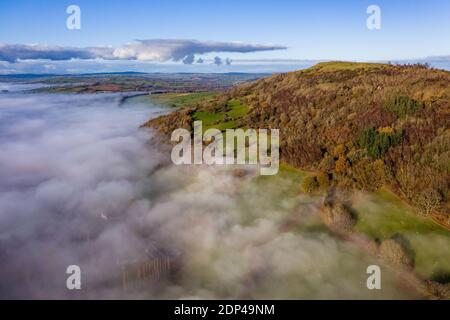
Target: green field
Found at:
x=176, y=100
x=182, y=99
x=382, y=214
x=222, y=120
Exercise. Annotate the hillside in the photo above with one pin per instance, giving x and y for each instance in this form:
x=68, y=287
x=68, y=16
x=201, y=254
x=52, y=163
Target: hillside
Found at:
x=358, y=126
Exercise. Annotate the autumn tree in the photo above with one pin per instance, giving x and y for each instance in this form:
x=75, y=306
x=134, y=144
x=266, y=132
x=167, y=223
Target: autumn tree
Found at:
x=428, y=200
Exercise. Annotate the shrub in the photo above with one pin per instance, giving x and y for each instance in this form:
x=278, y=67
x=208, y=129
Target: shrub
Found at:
x=341, y=164
x=367, y=138
x=397, y=250
x=323, y=179
x=386, y=130
x=338, y=150
x=428, y=200
x=338, y=217
x=379, y=170
x=377, y=143
x=327, y=164
x=369, y=175
x=309, y=184
x=403, y=106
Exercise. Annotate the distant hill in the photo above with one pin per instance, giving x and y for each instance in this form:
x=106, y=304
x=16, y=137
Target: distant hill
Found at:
x=134, y=81
x=31, y=76
x=358, y=125
x=25, y=76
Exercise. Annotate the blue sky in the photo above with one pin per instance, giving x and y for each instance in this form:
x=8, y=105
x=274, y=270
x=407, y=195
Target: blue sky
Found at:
x=319, y=29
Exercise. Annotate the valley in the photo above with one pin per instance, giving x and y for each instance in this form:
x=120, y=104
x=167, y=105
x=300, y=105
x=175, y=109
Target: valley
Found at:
x=338, y=204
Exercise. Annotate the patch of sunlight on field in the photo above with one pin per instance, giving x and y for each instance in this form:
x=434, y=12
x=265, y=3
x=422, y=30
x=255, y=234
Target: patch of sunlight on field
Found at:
x=382, y=215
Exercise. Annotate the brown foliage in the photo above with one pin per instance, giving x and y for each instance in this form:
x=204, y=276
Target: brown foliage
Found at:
x=322, y=111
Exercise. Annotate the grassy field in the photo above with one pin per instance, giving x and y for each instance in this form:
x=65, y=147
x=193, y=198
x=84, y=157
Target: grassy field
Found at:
x=342, y=65
x=177, y=100
x=222, y=120
x=382, y=214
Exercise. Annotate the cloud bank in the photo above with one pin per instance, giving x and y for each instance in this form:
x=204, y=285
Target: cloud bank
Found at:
x=160, y=50
x=81, y=184
x=15, y=52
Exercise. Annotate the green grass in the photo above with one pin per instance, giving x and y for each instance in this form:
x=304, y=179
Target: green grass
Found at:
x=222, y=120
x=238, y=110
x=290, y=176
x=178, y=100
x=343, y=65
x=382, y=215
x=207, y=118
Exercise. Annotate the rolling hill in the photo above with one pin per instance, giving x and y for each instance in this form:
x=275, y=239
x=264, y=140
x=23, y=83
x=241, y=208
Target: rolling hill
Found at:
x=356, y=125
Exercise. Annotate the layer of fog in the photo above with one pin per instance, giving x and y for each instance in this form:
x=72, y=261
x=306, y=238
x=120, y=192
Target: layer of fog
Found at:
x=17, y=87
x=80, y=184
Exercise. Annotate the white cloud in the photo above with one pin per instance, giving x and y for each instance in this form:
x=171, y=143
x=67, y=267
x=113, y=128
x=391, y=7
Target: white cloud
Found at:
x=160, y=50
x=183, y=50
x=16, y=52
